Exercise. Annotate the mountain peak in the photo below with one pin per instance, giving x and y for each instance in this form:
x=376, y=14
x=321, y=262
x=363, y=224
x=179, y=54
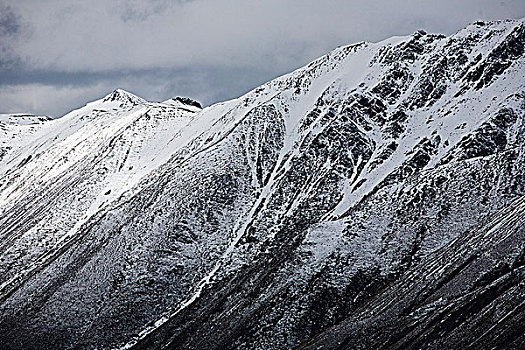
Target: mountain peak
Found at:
x=120, y=95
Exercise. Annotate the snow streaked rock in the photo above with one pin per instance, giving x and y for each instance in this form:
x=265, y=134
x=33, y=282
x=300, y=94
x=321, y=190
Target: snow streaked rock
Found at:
x=261, y=221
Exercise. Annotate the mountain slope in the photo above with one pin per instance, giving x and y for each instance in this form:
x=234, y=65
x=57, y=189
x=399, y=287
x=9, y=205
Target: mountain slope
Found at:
x=262, y=221
x=15, y=129
x=473, y=301
x=71, y=168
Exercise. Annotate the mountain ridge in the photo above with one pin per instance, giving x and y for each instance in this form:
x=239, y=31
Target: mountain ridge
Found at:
x=274, y=215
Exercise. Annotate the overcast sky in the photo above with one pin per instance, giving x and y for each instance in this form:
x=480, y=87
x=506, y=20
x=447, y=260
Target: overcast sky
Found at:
x=56, y=55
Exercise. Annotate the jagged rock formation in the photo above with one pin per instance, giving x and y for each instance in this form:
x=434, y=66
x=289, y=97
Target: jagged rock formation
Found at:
x=380, y=178
x=184, y=101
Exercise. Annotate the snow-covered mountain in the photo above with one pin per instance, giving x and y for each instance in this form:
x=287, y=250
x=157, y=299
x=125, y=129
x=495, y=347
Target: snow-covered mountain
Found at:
x=382, y=178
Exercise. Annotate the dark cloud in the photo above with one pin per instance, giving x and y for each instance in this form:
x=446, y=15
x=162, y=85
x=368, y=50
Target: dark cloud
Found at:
x=10, y=28
x=135, y=10
x=207, y=49
x=9, y=21
x=9, y=61
x=21, y=76
x=142, y=10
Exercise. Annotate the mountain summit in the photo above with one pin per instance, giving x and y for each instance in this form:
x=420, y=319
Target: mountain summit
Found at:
x=371, y=199
x=119, y=95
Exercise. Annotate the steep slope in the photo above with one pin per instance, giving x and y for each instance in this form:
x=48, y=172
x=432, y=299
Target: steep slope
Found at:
x=71, y=168
x=303, y=269
x=470, y=294
x=268, y=218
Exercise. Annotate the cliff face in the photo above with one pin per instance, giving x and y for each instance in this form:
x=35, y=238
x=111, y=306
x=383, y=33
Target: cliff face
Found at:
x=380, y=179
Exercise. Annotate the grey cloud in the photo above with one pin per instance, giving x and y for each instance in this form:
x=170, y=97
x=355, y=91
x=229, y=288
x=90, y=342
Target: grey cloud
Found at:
x=209, y=50
x=9, y=21
x=159, y=33
x=10, y=28
x=9, y=61
x=140, y=10
x=205, y=84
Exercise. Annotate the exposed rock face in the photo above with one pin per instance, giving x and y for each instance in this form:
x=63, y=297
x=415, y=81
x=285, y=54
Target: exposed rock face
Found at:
x=470, y=294
x=381, y=179
x=188, y=101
